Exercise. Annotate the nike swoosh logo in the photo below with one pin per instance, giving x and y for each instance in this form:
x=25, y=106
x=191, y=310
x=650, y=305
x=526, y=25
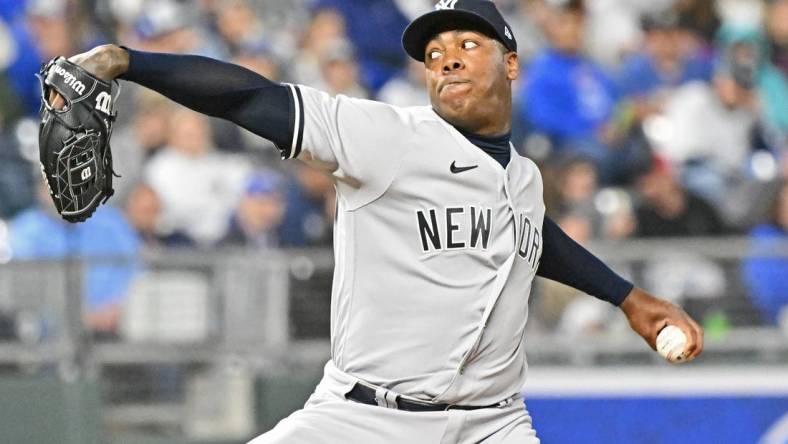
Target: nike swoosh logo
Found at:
x=456, y=170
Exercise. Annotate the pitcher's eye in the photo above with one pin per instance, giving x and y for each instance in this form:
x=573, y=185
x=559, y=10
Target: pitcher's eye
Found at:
x=469, y=44
x=434, y=54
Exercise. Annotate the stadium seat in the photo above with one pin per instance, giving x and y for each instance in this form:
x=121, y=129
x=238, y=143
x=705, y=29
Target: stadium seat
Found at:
x=45, y=411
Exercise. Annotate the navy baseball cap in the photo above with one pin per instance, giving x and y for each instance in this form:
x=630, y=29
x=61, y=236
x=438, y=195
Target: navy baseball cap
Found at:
x=476, y=15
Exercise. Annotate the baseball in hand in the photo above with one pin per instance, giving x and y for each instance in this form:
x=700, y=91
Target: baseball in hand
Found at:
x=671, y=342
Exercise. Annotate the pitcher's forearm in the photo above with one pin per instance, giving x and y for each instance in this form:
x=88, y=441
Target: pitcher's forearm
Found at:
x=565, y=261
x=215, y=88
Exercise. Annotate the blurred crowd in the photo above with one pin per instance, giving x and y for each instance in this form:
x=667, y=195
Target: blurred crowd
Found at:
x=649, y=118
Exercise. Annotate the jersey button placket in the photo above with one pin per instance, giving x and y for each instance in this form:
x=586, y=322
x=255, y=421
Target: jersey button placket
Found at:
x=506, y=191
x=505, y=185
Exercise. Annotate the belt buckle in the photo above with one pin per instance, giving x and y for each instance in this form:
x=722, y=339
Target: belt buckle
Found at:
x=385, y=398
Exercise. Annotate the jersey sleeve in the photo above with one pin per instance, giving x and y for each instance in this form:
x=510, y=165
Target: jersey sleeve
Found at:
x=360, y=141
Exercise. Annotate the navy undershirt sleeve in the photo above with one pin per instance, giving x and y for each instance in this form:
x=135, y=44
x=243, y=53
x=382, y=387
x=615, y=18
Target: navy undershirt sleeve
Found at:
x=218, y=89
x=566, y=261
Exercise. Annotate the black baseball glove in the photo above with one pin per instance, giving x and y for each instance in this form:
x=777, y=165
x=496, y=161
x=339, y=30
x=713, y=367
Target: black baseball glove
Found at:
x=73, y=142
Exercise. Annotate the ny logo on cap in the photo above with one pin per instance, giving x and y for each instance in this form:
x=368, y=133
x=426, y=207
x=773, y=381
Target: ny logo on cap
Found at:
x=445, y=4
x=507, y=32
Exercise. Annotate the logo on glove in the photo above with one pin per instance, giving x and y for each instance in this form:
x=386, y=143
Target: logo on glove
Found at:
x=103, y=102
x=69, y=79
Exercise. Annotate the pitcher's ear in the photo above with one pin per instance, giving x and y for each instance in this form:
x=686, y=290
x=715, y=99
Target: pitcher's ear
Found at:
x=512, y=65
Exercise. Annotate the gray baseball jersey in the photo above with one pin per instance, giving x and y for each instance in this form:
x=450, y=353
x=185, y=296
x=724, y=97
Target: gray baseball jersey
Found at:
x=436, y=247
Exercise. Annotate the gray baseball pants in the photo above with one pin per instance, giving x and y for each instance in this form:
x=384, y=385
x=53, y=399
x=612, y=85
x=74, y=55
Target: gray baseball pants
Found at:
x=329, y=418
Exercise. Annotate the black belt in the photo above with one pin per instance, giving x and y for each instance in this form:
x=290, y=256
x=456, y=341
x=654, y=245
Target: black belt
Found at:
x=366, y=395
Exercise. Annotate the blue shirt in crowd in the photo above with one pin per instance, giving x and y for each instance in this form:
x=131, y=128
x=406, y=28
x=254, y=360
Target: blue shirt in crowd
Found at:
x=639, y=75
x=26, y=62
x=767, y=276
x=375, y=27
x=37, y=234
x=567, y=96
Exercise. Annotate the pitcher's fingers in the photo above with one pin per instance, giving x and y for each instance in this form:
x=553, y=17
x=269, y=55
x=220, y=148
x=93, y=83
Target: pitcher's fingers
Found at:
x=56, y=100
x=693, y=339
x=698, y=330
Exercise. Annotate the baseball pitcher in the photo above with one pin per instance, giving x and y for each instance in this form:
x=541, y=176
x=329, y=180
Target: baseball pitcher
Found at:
x=440, y=232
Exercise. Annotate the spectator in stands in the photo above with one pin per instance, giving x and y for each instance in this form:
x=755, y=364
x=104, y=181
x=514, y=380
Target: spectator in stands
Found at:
x=16, y=178
x=143, y=211
x=309, y=203
x=340, y=72
x=258, y=57
x=172, y=26
x=709, y=130
x=576, y=184
x=151, y=121
x=577, y=225
x=566, y=95
x=745, y=48
x=528, y=24
x=259, y=214
x=406, y=88
x=663, y=64
x=10, y=102
x=11, y=9
x=238, y=25
x=198, y=187
x=106, y=241
x=668, y=210
x=765, y=275
x=47, y=29
x=701, y=18
x=613, y=30
x=326, y=27
x=380, y=57
x=618, y=216
x=583, y=207
x=141, y=133
x=777, y=30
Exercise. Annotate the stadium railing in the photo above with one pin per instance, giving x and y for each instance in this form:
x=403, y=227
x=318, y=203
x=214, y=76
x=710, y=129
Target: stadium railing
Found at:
x=208, y=343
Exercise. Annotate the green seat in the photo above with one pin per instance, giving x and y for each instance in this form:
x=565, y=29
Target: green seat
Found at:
x=280, y=395
x=145, y=439
x=47, y=411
